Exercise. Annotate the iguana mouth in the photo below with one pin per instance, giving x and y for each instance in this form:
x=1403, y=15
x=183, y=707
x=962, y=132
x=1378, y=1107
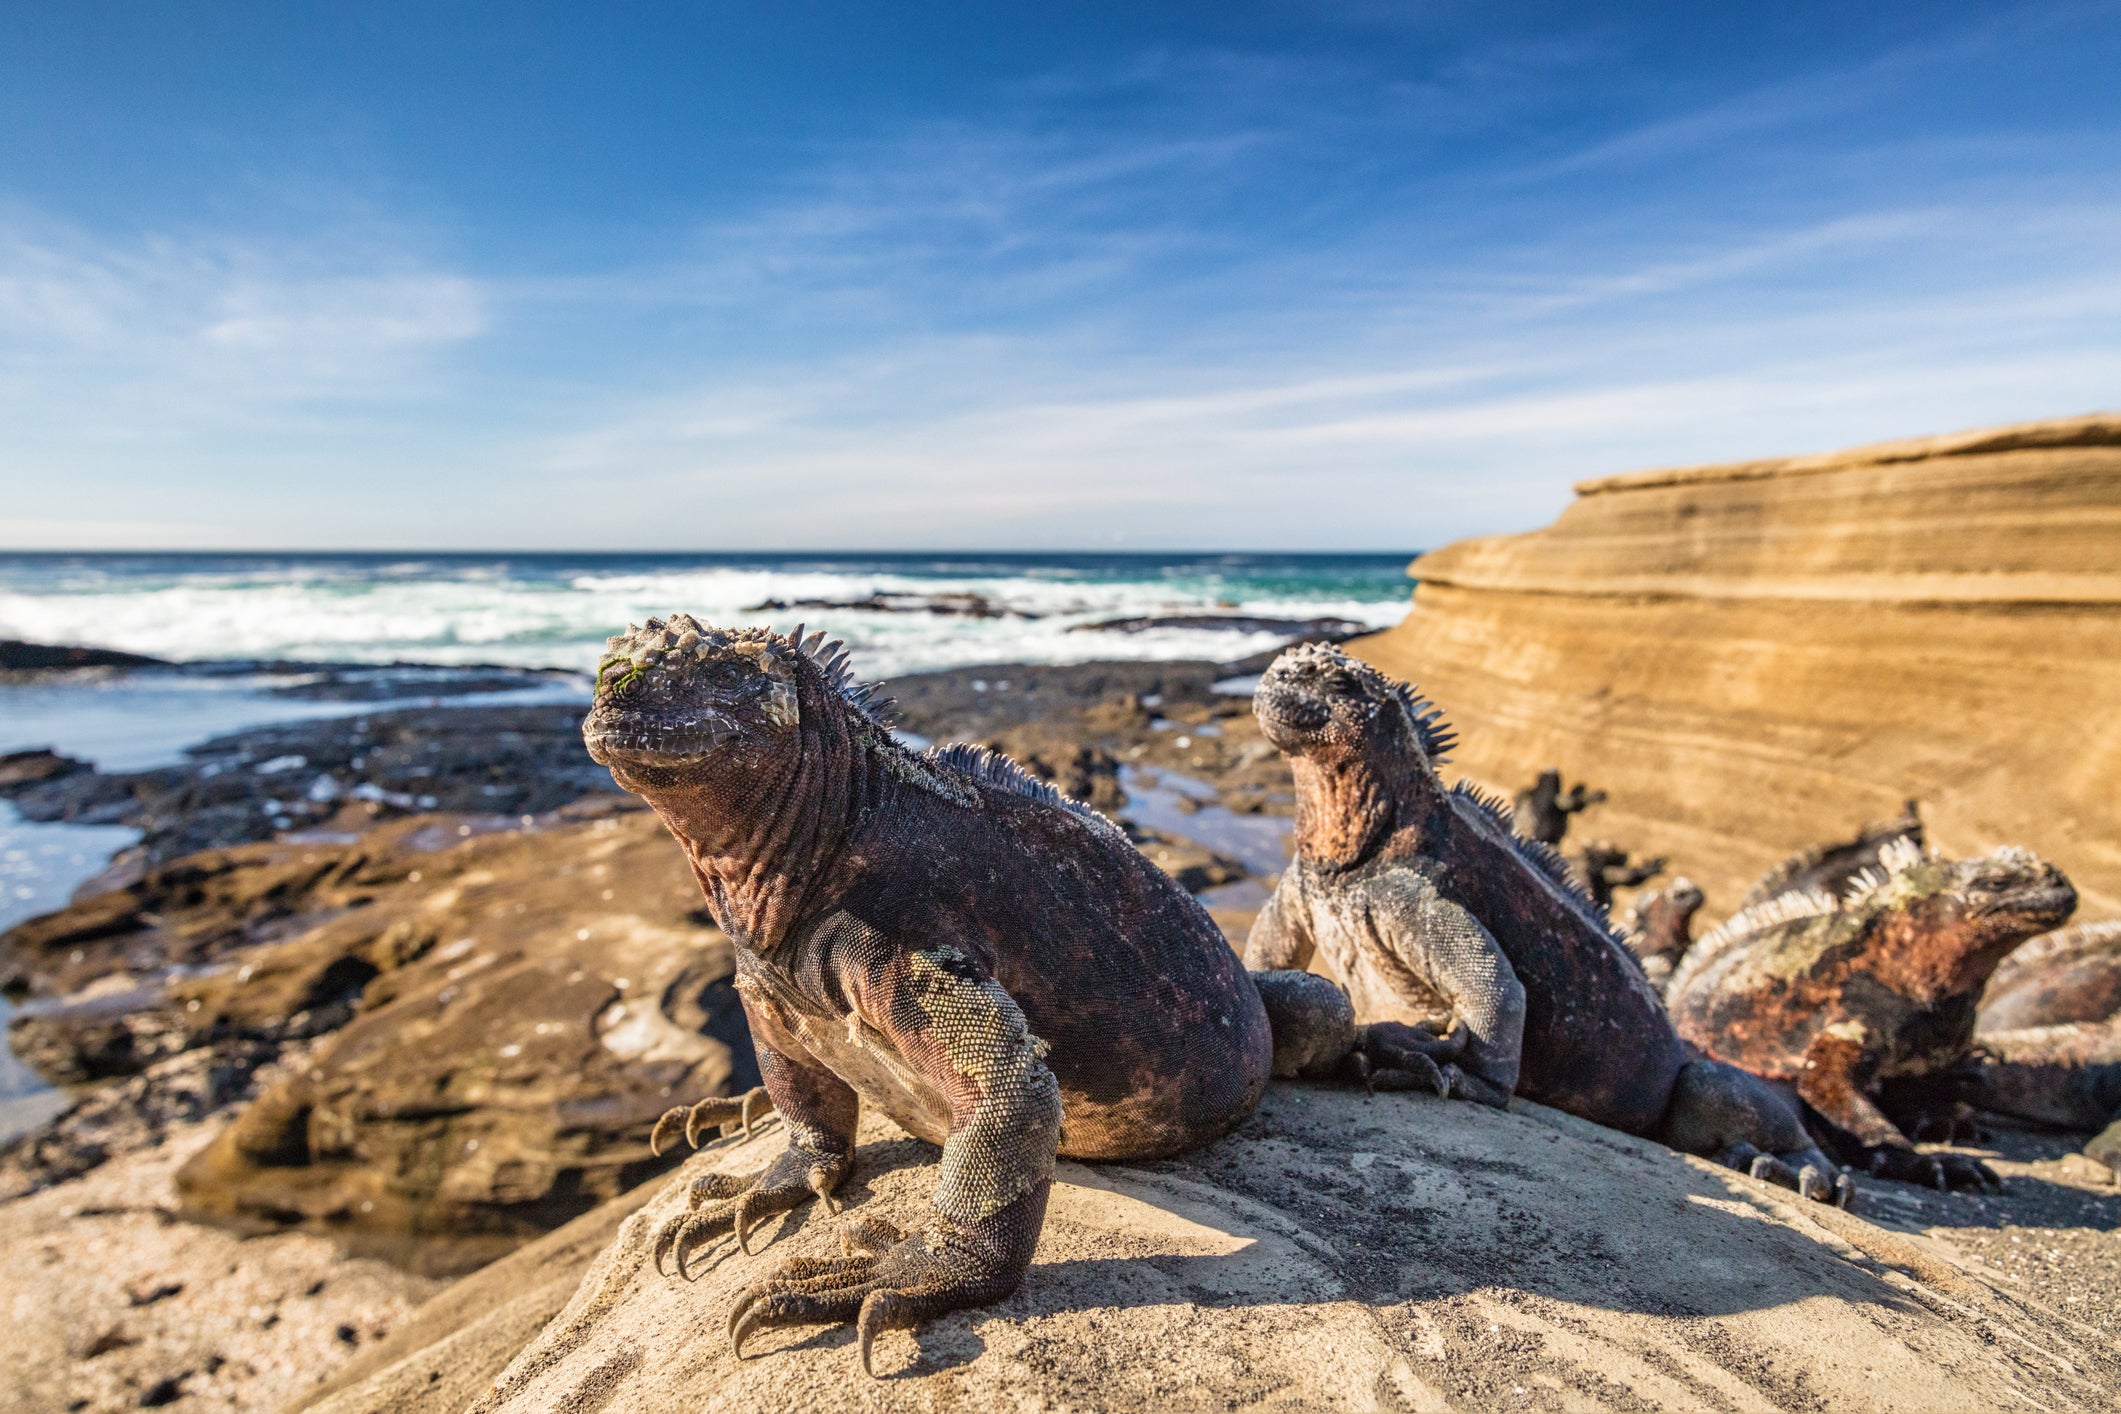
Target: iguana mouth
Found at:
x=616, y=734
x=2045, y=900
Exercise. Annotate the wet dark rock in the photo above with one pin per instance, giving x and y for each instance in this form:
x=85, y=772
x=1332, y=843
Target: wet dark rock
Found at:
x=19, y=769
x=17, y=656
x=336, y=776
x=962, y=605
x=1306, y=630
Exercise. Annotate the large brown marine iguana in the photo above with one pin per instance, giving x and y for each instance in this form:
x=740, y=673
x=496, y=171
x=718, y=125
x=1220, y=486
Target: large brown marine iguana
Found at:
x=1838, y=996
x=946, y=938
x=2048, y=1035
x=1433, y=913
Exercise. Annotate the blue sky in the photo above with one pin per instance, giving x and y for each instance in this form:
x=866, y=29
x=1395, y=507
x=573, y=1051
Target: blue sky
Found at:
x=914, y=275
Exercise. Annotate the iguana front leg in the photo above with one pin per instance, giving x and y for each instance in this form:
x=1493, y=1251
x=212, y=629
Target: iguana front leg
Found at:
x=963, y=1034
x=1280, y=940
x=1442, y=943
x=820, y=1111
x=1838, y=1070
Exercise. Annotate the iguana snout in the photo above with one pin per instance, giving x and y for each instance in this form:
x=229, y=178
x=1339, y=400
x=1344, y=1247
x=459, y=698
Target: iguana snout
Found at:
x=2018, y=886
x=1315, y=695
x=670, y=694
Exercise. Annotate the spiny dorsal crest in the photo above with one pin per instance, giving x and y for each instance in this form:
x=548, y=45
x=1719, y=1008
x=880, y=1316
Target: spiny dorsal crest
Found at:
x=838, y=670
x=1741, y=926
x=1895, y=857
x=1543, y=857
x=990, y=767
x=1424, y=717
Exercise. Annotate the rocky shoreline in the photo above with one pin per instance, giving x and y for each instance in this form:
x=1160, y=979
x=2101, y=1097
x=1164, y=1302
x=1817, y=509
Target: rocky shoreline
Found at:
x=417, y=982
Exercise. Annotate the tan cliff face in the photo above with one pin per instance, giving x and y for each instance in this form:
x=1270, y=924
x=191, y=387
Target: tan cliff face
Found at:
x=1755, y=657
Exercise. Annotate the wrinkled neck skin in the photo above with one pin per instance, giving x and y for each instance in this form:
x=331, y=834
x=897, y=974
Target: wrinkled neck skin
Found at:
x=1936, y=949
x=1349, y=800
x=765, y=834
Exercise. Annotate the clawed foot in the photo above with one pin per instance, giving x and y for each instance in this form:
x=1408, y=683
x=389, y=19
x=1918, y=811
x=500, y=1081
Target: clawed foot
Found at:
x=716, y=1111
x=1946, y=1173
x=1813, y=1179
x=720, y=1202
x=1948, y=1128
x=884, y=1280
x=1391, y=1056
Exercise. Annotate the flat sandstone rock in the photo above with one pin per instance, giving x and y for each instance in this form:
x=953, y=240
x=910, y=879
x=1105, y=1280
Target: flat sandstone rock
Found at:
x=1337, y=1252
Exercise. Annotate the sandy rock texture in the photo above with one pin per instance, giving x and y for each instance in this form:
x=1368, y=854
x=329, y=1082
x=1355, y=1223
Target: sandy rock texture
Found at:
x=110, y=1302
x=1755, y=657
x=1337, y=1252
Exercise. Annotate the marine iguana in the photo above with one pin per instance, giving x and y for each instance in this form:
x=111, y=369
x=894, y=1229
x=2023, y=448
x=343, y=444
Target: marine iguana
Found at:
x=1830, y=868
x=1600, y=867
x=1541, y=812
x=1838, y=995
x=1433, y=913
x=1660, y=928
x=944, y=937
x=2048, y=1035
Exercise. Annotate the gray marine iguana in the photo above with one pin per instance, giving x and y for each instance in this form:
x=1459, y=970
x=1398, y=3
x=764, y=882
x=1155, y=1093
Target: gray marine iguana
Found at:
x=1601, y=867
x=1541, y=811
x=942, y=936
x=1841, y=996
x=1660, y=928
x=1435, y=914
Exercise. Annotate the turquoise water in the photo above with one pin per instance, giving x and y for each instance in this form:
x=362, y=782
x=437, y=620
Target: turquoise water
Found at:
x=555, y=610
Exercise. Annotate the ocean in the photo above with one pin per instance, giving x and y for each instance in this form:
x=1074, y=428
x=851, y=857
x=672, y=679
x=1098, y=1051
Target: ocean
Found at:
x=554, y=611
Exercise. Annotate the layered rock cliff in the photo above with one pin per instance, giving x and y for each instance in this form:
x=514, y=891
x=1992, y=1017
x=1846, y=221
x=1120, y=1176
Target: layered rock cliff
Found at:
x=1755, y=657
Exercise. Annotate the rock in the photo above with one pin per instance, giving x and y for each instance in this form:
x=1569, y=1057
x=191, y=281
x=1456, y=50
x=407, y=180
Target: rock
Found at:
x=1305, y=630
x=330, y=777
x=1750, y=657
x=488, y=1025
x=1336, y=1252
x=448, y=1352
x=105, y=1298
x=557, y=994
x=964, y=605
x=1194, y=868
x=24, y=768
x=17, y=656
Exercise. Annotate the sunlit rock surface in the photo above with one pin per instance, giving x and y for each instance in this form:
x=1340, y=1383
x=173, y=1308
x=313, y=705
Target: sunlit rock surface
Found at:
x=1336, y=1252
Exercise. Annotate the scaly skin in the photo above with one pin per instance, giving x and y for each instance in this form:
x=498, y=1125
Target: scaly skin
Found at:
x=1424, y=904
x=938, y=935
x=1838, y=997
x=1660, y=928
x=2048, y=1034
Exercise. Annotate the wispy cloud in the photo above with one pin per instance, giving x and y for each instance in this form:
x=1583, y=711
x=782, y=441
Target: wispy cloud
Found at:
x=1185, y=297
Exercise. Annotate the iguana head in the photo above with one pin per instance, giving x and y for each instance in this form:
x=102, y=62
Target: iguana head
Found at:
x=1985, y=905
x=674, y=695
x=1315, y=700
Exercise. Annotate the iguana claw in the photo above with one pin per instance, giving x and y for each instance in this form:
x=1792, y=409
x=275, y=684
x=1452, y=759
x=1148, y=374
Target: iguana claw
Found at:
x=719, y=1110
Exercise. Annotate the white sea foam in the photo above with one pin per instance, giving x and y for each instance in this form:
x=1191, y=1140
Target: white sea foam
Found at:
x=543, y=614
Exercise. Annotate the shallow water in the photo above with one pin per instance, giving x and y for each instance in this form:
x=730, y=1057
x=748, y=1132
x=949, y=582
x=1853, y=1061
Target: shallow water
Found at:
x=1156, y=800
x=136, y=721
x=40, y=867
